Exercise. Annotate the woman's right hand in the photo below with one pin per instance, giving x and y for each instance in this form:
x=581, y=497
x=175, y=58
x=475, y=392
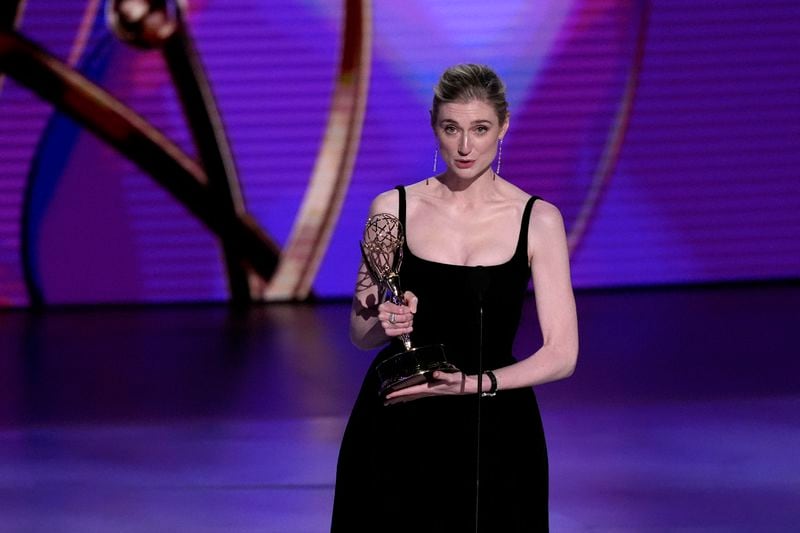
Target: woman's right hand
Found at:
x=398, y=319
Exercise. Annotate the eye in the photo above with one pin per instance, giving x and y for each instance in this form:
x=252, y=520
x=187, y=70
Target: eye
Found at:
x=481, y=129
x=450, y=129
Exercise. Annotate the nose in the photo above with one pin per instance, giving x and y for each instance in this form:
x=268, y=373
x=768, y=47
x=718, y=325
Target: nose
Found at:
x=464, y=145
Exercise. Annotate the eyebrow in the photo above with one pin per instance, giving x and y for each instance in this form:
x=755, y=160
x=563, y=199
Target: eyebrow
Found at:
x=479, y=121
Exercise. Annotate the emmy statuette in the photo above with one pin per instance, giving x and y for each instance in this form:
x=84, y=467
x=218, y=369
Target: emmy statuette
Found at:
x=382, y=249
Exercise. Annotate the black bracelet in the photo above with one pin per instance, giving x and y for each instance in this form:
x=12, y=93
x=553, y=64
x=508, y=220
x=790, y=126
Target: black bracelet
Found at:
x=493, y=389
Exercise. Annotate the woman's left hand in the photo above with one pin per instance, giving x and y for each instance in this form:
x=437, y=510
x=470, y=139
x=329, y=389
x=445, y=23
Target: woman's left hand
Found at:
x=441, y=384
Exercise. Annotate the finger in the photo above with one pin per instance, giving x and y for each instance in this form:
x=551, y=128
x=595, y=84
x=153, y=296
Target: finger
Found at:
x=391, y=331
x=401, y=315
x=411, y=394
x=397, y=320
x=451, y=378
x=393, y=400
x=389, y=316
x=394, y=304
x=398, y=400
x=414, y=390
x=389, y=307
x=421, y=391
x=398, y=326
x=411, y=300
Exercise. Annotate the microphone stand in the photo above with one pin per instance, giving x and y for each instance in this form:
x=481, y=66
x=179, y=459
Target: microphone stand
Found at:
x=481, y=288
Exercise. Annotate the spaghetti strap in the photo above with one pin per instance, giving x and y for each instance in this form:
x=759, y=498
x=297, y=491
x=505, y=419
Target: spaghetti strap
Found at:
x=401, y=209
x=522, y=243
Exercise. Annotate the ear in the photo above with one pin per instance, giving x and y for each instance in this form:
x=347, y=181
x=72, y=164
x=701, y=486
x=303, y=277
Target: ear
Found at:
x=504, y=128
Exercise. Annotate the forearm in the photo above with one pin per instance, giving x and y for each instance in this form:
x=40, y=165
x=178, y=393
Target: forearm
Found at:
x=549, y=363
x=367, y=334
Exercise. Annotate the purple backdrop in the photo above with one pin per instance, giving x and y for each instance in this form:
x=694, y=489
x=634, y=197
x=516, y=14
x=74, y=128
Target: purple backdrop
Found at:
x=667, y=132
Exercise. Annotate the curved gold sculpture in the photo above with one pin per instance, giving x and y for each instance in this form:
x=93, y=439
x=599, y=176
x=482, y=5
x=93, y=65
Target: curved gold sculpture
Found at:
x=322, y=203
x=210, y=189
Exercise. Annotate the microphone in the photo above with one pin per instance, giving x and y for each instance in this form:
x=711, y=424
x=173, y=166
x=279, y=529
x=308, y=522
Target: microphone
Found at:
x=481, y=281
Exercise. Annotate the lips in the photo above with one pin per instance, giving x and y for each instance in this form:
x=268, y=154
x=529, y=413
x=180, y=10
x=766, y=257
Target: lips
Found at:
x=464, y=163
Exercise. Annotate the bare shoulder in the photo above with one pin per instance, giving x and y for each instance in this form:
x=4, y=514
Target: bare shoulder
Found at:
x=386, y=202
x=546, y=215
x=546, y=228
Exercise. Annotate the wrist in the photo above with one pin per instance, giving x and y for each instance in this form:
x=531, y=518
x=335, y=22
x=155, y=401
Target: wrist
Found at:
x=489, y=386
x=492, y=390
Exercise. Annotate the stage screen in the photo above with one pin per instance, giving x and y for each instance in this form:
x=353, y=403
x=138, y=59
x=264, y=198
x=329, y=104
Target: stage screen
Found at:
x=667, y=132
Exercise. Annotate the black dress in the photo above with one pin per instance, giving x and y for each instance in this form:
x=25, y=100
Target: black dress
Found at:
x=411, y=467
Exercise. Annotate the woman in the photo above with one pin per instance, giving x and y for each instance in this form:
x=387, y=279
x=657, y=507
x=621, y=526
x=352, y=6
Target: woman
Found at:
x=412, y=461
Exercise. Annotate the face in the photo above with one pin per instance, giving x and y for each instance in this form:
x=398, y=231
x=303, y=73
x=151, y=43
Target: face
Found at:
x=468, y=134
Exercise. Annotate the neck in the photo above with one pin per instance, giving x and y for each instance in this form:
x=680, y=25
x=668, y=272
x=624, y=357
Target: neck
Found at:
x=468, y=188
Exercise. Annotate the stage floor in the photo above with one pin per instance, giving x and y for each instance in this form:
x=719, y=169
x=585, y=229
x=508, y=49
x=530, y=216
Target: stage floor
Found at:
x=683, y=415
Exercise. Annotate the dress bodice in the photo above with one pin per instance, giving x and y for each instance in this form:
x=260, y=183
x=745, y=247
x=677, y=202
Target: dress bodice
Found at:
x=466, y=307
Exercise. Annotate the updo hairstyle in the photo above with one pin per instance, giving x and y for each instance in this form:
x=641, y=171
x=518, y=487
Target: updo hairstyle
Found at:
x=468, y=82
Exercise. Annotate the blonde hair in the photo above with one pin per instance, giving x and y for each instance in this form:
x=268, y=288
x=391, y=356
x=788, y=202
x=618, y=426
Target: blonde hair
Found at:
x=467, y=82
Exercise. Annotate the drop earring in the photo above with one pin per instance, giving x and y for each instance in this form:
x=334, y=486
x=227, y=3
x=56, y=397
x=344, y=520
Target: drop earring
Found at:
x=435, y=161
x=499, y=156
